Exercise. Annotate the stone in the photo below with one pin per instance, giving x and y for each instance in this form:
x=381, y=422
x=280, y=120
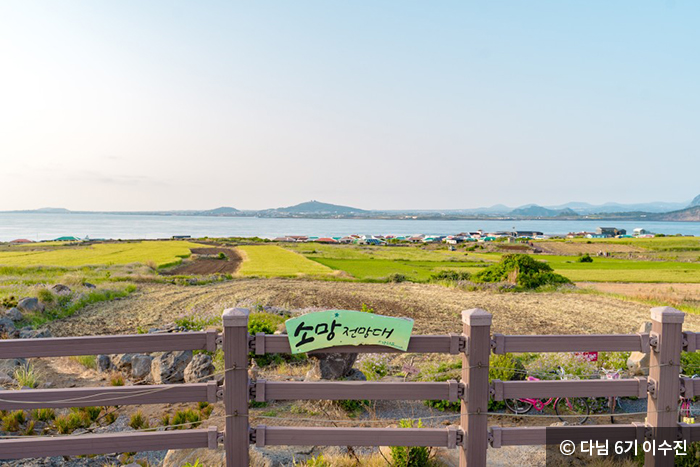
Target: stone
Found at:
x=10, y=365
x=7, y=327
x=14, y=314
x=88, y=285
x=104, y=363
x=355, y=375
x=30, y=304
x=122, y=362
x=638, y=362
x=331, y=365
x=7, y=380
x=60, y=289
x=29, y=333
x=169, y=368
x=141, y=366
x=200, y=369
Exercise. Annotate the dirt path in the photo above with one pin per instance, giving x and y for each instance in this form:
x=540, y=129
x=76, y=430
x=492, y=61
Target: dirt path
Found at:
x=203, y=262
x=435, y=308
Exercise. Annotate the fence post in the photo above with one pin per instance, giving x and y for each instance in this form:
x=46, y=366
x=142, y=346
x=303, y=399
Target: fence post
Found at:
x=475, y=374
x=235, y=346
x=664, y=379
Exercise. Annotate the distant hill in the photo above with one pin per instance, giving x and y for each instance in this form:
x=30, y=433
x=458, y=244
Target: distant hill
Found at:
x=222, y=211
x=691, y=214
x=534, y=210
x=316, y=207
x=53, y=210
x=587, y=208
x=695, y=202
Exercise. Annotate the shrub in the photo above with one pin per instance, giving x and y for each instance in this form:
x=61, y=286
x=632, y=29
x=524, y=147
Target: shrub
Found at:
x=402, y=456
x=351, y=406
x=451, y=276
x=9, y=302
x=396, y=277
x=522, y=270
x=222, y=255
x=46, y=296
x=197, y=323
x=690, y=363
x=375, y=367
x=585, y=259
x=264, y=322
x=138, y=421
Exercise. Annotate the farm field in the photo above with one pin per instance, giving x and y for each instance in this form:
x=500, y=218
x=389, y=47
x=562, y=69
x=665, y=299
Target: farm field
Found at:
x=658, y=248
x=417, y=264
x=160, y=253
x=377, y=269
x=273, y=261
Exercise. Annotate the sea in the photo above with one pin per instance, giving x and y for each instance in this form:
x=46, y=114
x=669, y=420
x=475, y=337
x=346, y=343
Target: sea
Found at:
x=48, y=226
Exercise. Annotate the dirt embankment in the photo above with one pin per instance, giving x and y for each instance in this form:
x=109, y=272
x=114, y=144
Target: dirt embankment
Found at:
x=206, y=261
x=436, y=309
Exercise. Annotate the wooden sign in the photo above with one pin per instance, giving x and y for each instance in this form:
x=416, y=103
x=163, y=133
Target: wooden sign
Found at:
x=344, y=327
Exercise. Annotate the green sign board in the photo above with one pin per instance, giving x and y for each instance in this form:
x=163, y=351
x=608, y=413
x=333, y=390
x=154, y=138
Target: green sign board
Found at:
x=344, y=327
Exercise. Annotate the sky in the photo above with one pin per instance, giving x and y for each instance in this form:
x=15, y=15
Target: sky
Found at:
x=160, y=105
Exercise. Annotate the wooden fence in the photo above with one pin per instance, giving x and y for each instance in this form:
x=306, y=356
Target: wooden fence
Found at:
x=473, y=437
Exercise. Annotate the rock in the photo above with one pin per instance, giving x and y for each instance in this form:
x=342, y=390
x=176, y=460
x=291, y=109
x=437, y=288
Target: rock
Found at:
x=9, y=366
x=199, y=369
x=638, y=362
x=122, y=362
x=141, y=366
x=29, y=333
x=60, y=289
x=7, y=327
x=88, y=285
x=355, y=375
x=169, y=367
x=331, y=365
x=14, y=314
x=104, y=363
x=30, y=304
x=7, y=380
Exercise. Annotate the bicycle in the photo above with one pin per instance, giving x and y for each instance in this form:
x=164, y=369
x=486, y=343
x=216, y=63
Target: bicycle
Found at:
x=572, y=410
x=688, y=409
x=616, y=401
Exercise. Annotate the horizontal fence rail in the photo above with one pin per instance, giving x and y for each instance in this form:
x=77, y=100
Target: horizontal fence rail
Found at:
x=118, y=395
x=537, y=435
x=299, y=436
x=96, y=345
x=571, y=343
x=450, y=344
x=282, y=390
x=107, y=443
x=569, y=388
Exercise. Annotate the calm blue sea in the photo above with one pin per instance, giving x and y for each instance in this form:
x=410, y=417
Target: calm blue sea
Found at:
x=49, y=226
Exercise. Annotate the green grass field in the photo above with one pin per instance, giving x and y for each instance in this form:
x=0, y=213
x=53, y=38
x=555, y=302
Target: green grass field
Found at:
x=273, y=261
x=375, y=269
x=418, y=264
x=160, y=253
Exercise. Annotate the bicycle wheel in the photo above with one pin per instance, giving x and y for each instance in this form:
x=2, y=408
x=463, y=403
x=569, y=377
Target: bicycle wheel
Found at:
x=573, y=410
x=518, y=406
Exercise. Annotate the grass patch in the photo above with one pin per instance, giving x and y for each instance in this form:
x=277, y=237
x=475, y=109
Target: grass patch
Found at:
x=161, y=253
x=88, y=361
x=273, y=261
x=384, y=269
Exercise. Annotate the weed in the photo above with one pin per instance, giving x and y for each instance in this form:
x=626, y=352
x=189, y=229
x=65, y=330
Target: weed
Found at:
x=410, y=456
x=116, y=380
x=12, y=421
x=88, y=361
x=138, y=421
x=43, y=415
x=25, y=376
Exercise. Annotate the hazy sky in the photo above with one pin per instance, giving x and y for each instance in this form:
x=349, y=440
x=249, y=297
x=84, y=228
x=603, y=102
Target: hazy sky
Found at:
x=408, y=104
